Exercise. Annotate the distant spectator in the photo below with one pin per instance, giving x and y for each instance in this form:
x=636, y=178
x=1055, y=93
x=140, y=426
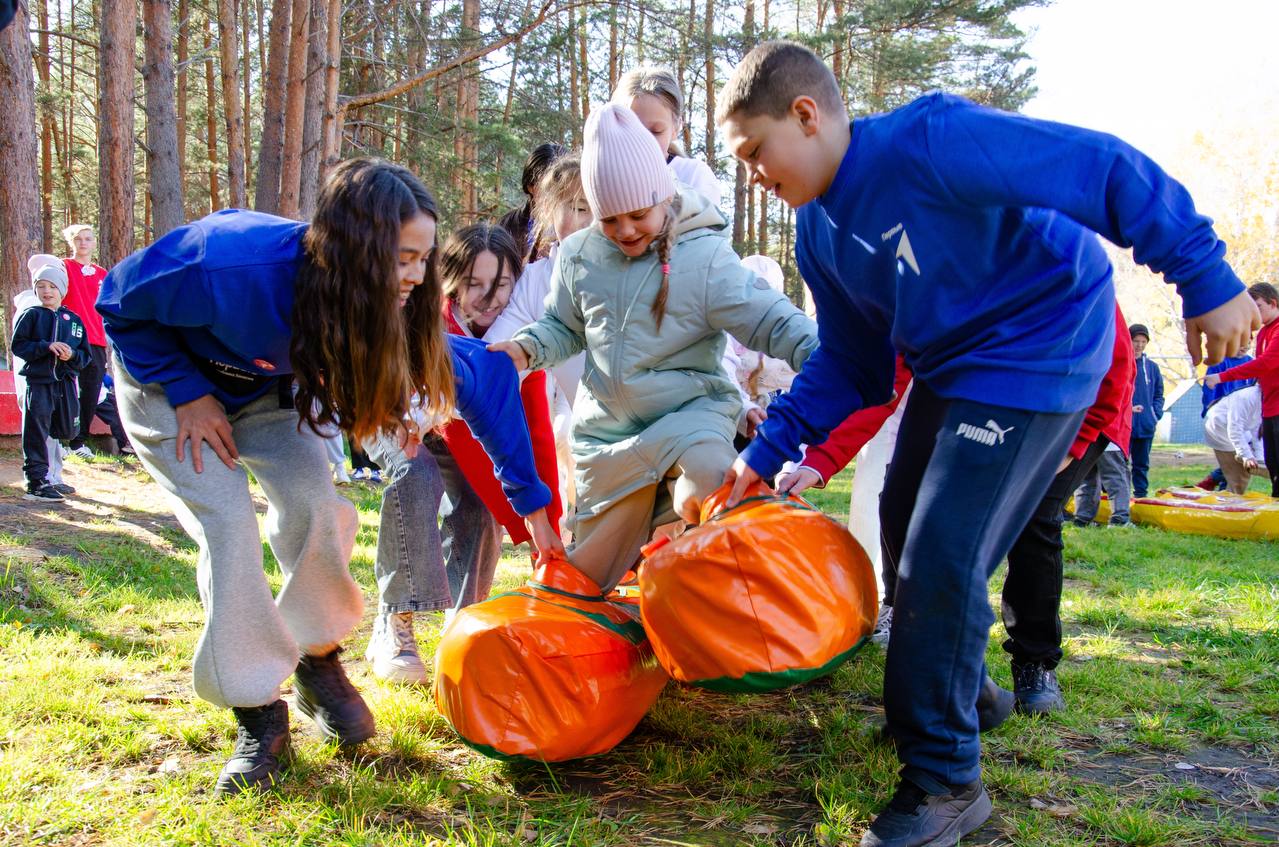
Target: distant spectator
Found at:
x=1147, y=409
x=51, y=340
x=519, y=221
x=1266, y=370
x=84, y=278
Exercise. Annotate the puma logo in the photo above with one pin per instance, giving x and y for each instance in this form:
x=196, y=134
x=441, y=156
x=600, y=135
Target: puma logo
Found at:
x=991, y=434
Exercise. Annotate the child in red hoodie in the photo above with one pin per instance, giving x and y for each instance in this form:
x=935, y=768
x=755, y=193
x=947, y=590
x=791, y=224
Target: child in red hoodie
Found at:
x=1265, y=369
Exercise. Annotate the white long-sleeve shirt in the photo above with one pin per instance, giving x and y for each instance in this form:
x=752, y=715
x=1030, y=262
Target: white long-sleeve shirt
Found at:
x=1233, y=424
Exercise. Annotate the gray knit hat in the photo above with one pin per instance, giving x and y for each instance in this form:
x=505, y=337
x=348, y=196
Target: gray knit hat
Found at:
x=623, y=169
x=49, y=268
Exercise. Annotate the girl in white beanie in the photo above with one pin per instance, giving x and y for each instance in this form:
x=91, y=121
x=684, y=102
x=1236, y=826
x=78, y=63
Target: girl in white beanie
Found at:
x=648, y=291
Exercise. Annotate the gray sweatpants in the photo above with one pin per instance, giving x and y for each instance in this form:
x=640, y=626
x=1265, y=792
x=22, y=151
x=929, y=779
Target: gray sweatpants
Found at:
x=251, y=641
x=1110, y=473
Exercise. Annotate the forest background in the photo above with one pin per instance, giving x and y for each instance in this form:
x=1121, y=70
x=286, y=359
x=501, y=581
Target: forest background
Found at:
x=138, y=115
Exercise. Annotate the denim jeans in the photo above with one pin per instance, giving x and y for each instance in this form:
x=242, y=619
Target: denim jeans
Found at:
x=963, y=482
x=1139, y=450
x=438, y=544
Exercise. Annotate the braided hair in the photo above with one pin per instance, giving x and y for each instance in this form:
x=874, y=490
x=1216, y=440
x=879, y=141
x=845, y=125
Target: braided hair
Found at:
x=665, y=245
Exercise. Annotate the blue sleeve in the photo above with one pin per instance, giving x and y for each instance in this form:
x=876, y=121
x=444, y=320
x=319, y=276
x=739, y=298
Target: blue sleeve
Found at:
x=147, y=300
x=984, y=157
x=1158, y=401
x=488, y=399
x=852, y=368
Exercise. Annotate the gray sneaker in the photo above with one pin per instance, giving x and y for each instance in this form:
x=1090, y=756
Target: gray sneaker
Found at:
x=883, y=626
x=928, y=813
x=393, y=651
x=1037, y=690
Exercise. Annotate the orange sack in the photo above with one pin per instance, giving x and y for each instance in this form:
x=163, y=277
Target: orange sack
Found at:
x=552, y=671
x=768, y=594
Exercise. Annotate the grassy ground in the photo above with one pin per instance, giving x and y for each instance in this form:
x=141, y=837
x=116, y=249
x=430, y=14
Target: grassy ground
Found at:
x=1171, y=739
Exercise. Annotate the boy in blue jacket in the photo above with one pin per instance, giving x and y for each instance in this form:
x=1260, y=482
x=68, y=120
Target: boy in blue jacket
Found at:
x=1147, y=409
x=960, y=237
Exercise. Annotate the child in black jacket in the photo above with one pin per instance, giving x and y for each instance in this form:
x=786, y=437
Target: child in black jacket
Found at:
x=52, y=342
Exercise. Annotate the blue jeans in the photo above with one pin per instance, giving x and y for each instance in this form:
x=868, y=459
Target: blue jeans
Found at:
x=1139, y=451
x=964, y=480
x=438, y=544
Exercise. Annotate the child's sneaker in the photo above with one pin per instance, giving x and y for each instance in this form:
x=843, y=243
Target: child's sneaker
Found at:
x=883, y=626
x=82, y=452
x=63, y=489
x=361, y=474
x=44, y=491
x=393, y=650
x=340, y=476
x=375, y=476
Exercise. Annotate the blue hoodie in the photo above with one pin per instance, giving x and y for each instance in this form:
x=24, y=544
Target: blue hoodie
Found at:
x=207, y=309
x=960, y=236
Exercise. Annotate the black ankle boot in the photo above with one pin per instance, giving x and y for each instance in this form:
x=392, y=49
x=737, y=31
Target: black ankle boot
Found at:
x=994, y=705
x=261, y=748
x=326, y=696
x=1036, y=689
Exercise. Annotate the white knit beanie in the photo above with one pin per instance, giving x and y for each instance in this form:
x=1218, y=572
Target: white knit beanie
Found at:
x=49, y=268
x=623, y=169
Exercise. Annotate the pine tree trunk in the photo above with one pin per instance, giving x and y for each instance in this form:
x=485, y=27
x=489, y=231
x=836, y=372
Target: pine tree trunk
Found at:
x=19, y=194
x=331, y=128
x=229, y=51
x=586, y=68
x=739, y=208
x=294, y=109
x=612, y=45
x=164, y=179
x=467, y=112
x=211, y=122
x=709, y=34
x=68, y=121
x=46, y=133
x=571, y=40
x=761, y=229
x=119, y=25
x=181, y=82
x=752, y=243
x=316, y=59
x=247, y=83
x=267, y=197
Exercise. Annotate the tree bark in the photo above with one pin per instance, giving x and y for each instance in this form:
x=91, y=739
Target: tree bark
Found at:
x=229, y=51
x=468, y=84
x=612, y=45
x=739, y=208
x=119, y=25
x=211, y=123
x=46, y=133
x=247, y=82
x=331, y=128
x=181, y=83
x=317, y=45
x=761, y=229
x=164, y=180
x=19, y=194
x=708, y=33
x=267, y=198
x=585, y=67
x=294, y=109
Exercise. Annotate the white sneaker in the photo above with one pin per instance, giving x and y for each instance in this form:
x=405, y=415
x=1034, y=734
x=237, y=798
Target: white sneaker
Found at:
x=340, y=476
x=82, y=451
x=393, y=650
x=883, y=626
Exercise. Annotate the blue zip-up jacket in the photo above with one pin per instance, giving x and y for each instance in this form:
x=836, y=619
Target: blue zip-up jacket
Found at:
x=1221, y=389
x=207, y=309
x=960, y=236
x=1148, y=393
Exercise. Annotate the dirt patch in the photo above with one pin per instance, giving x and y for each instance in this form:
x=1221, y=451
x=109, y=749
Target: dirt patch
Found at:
x=1238, y=783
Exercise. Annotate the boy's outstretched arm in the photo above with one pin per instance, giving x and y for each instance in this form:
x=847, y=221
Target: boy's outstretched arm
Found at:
x=984, y=157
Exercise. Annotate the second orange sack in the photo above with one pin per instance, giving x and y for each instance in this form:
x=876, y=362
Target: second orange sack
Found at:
x=768, y=594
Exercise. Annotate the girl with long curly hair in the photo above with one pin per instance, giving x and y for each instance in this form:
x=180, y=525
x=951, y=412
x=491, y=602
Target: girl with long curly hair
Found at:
x=212, y=325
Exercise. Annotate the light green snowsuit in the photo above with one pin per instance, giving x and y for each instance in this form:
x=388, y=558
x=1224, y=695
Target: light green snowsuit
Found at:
x=654, y=405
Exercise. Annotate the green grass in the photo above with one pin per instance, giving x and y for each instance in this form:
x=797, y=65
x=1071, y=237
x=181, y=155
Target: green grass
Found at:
x=1172, y=656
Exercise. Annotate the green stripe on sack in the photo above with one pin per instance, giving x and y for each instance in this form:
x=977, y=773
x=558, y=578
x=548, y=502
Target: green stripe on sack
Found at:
x=632, y=630
x=760, y=682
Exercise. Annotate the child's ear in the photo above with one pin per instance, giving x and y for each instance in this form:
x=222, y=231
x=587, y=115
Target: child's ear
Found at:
x=805, y=110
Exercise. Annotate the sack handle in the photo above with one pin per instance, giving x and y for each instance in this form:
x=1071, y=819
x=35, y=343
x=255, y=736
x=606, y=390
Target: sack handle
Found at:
x=788, y=499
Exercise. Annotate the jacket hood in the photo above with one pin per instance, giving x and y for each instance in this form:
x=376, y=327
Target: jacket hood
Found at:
x=696, y=212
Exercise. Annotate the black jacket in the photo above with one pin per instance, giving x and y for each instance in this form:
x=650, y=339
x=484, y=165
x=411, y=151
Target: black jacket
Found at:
x=39, y=327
